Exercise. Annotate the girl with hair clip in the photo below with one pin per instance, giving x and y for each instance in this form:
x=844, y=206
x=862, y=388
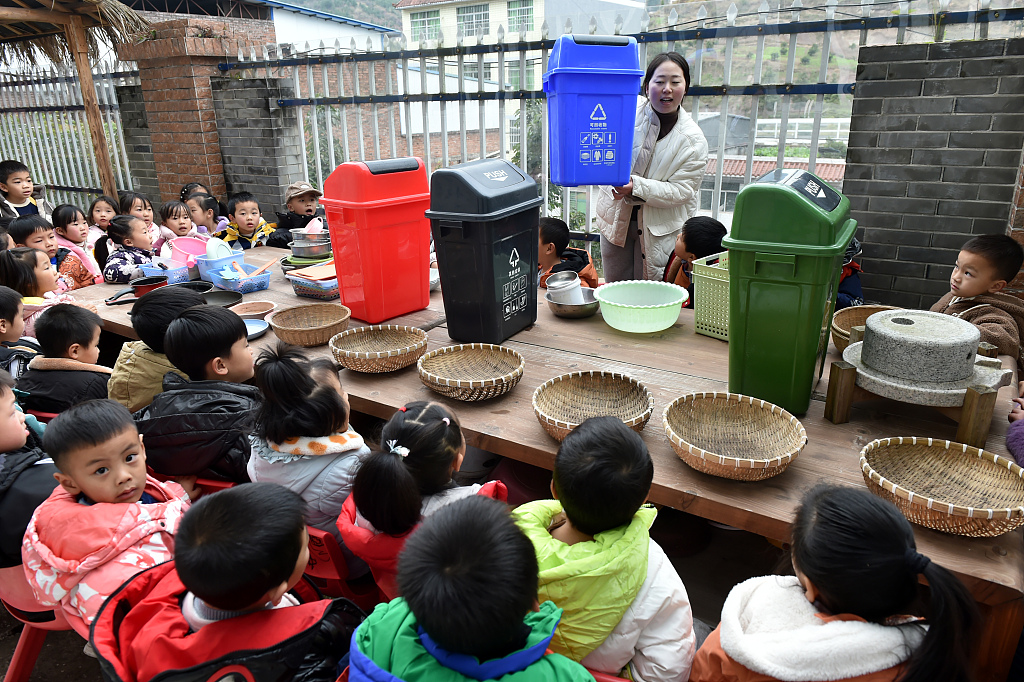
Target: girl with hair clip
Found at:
x=72, y=231
x=101, y=211
x=206, y=213
x=303, y=438
x=842, y=616
x=30, y=273
x=407, y=480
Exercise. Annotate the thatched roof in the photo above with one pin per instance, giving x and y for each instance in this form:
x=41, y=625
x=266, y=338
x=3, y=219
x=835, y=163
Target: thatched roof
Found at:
x=39, y=24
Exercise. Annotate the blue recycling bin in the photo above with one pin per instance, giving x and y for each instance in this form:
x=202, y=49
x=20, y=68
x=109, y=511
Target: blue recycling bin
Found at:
x=592, y=85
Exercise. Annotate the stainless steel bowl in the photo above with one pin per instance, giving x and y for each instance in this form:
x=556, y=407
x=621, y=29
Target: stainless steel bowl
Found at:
x=311, y=249
x=590, y=306
x=300, y=236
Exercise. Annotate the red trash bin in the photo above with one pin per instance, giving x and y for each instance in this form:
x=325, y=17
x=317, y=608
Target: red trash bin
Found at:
x=380, y=236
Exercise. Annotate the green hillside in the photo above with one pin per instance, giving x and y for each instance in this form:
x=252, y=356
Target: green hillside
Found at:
x=380, y=12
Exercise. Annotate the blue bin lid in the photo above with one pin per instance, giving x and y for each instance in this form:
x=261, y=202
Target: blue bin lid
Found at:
x=604, y=55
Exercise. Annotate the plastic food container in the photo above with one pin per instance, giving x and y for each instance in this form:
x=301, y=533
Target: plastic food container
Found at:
x=711, y=296
x=564, y=287
x=176, y=272
x=641, y=306
x=242, y=286
x=211, y=265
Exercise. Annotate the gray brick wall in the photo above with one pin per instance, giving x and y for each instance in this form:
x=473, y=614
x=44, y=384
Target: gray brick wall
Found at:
x=259, y=145
x=137, y=142
x=935, y=147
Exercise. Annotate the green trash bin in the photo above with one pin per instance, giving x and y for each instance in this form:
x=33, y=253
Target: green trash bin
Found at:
x=789, y=233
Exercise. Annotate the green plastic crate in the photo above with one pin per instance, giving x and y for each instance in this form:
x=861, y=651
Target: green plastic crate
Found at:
x=711, y=296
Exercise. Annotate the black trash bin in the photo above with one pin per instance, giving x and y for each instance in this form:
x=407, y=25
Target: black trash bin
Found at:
x=483, y=216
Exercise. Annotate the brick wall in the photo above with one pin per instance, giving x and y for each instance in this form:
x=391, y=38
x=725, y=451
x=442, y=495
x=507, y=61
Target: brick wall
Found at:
x=1017, y=226
x=260, y=146
x=934, y=154
x=137, y=141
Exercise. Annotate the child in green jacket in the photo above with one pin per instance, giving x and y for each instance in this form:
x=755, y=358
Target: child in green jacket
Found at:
x=469, y=610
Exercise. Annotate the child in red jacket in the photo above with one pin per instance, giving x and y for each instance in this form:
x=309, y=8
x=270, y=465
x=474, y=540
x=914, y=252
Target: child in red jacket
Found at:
x=554, y=254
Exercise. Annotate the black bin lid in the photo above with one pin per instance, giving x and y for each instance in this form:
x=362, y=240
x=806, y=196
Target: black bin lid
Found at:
x=478, y=191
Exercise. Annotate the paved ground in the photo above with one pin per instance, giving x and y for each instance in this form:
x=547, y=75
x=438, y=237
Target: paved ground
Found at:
x=710, y=561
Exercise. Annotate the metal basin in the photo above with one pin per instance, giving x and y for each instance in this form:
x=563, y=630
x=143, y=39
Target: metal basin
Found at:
x=590, y=306
x=311, y=249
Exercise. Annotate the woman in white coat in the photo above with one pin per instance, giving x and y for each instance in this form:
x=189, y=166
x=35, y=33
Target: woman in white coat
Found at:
x=639, y=222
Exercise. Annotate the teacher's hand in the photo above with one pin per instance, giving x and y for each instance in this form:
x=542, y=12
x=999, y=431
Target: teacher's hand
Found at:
x=624, y=191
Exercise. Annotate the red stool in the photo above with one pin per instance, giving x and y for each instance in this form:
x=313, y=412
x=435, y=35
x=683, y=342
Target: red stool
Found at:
x=19, y=601
x=44, y=417
x=329, y=572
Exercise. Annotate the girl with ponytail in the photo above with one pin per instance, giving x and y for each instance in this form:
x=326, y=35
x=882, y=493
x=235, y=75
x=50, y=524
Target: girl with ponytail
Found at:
x=844, y=615
x=303, y=439
x=30, y=273
x=408, y=479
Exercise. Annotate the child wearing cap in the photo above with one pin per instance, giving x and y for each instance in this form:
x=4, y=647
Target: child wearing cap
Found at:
x=302, y=201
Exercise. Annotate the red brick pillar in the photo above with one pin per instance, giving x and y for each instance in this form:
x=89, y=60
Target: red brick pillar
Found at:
x=175, y=64
x=1016, y=226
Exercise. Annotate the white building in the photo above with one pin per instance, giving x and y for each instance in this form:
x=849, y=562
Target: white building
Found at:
x=297, y=25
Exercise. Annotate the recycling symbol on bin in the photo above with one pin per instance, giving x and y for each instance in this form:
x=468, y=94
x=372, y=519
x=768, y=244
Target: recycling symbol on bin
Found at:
x=598, y=113
x=513, y=260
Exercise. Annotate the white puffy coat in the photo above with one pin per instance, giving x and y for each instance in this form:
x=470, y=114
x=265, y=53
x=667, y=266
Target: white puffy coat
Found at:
x=655, y=635
x=670, y=189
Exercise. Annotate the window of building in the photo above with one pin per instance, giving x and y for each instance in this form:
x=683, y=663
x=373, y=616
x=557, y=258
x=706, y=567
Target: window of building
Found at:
x=425, y=25
x=520, y=15
x=474, y=20
x=472, y=70
x=514, y=78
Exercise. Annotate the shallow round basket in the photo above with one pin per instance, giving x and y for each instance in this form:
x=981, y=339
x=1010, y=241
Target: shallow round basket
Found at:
x=471, y=371
x=379, y=348
x=946, y=486
x=855, y=316
x=641, y=306
x=310, y=325
x=732, y=435
x=563, y=403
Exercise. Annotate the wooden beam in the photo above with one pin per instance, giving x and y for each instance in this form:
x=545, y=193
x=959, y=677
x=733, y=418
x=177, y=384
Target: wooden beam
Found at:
x=80, y=50
x=43, y=16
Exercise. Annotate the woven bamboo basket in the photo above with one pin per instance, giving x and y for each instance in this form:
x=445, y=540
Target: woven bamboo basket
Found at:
x=471, y=371
x=855, y=316
x=310, y=325
x=564, y=402
x=732, y=435
x=946, y=486
x=379, y=348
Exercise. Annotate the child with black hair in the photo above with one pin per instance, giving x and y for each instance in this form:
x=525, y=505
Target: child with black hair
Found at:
x=844, y=615
x=205, y=211
x=247, y=227
x=302, y=204
x=26, y=474
x=16, y=351
x=407, y=480
x=303, y=438
x=175, y=221
x=625, y=606
x=133, y=249
x=66, y=374
x=138, y=205
x=226, y=600
x=72, y=231
x=985, y=266
x=101, y=211
x=468, y=609
x=106, y=521
x=556, y=256
x=29, y=272
x=701, y=237
x=16, y=190
x=141, y=366
x=201, y=426
x=33, y=232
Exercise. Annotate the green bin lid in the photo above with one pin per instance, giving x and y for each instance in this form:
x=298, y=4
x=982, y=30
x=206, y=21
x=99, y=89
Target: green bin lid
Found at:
x=789, y=207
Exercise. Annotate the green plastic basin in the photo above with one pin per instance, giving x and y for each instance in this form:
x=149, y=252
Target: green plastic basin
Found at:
x=641, y=306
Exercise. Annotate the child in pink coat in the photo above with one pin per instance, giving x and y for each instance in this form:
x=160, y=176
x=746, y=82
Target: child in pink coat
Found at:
x=106, y=521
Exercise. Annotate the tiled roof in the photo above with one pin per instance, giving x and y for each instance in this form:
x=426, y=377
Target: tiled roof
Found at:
x=829, y=170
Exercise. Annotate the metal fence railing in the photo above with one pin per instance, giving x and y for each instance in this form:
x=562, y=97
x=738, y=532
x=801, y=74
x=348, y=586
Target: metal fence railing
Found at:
x=43, y=124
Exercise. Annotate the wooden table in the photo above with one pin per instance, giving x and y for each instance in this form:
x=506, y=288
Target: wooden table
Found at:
x=671, y=363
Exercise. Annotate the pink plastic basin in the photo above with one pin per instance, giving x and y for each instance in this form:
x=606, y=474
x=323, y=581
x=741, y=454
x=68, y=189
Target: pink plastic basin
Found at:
x=185, y=249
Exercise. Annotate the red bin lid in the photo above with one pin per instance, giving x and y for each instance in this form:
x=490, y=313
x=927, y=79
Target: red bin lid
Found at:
x=366, y=182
